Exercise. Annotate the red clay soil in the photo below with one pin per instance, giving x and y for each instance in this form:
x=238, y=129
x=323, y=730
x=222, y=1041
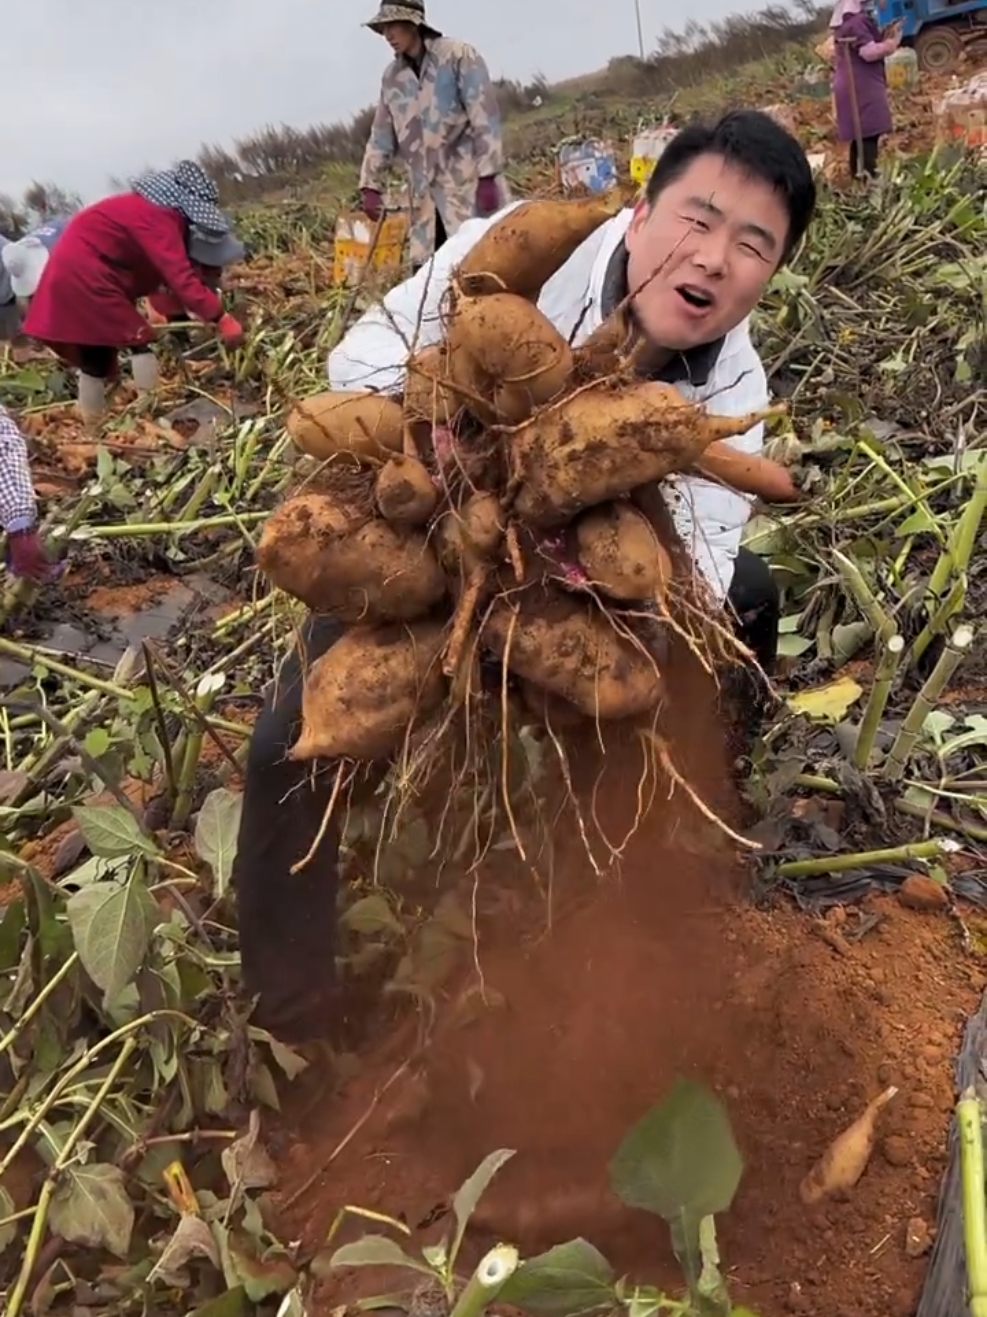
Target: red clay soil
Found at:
x=661, y=972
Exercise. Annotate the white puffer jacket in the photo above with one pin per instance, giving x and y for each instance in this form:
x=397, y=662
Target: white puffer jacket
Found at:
x=709, y=518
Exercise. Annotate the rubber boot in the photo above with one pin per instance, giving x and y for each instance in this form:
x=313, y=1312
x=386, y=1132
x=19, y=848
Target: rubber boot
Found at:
x=92, y=400
x=144, y=367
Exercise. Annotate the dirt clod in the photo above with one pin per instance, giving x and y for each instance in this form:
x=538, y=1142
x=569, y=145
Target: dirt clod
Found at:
x=897, y=1150
x=918, y=1238
x=919, y=892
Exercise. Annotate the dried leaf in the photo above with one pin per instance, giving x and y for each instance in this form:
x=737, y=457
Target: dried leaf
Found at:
x=371, y=914
x=90, y=1206
x=11, y=784
x=8, y=1233
x=829, y=703
x=246, y=1162
x=470, y=1193
x=192, y=1239
x=216, y=833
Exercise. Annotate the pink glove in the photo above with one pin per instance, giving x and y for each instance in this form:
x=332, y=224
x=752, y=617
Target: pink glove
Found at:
x=27, y=556
x=487, y=197
x=371, y=203
x=230, y=330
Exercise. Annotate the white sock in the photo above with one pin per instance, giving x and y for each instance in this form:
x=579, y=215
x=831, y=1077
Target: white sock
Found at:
x=92, y=397
x=144, y=366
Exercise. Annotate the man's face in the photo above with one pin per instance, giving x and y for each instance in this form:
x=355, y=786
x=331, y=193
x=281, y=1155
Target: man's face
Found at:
x=716, y=236
x=403, y=38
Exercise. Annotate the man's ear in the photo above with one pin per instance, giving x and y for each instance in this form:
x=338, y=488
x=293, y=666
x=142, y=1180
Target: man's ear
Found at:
x=642, y=209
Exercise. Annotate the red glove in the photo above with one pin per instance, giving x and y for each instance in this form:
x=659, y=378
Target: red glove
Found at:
x=371, y=203
x=230, y=330
x=27, y=556
x=487, y=197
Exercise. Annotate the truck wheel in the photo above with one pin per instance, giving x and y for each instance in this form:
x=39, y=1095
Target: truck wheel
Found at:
x=938, y=49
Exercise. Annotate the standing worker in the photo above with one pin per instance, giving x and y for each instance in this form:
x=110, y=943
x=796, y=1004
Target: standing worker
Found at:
x=860, y=86
x=22, y=263
x=438, y=115
x=112, y=254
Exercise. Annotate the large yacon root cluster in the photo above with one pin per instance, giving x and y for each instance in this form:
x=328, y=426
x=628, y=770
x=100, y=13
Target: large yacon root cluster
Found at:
x=494, y=513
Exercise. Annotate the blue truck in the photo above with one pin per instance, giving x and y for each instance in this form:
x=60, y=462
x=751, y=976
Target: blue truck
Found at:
x=939, y=31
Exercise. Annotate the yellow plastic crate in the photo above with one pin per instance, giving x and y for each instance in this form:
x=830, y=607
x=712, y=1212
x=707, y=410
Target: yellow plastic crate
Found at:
x=354, y=240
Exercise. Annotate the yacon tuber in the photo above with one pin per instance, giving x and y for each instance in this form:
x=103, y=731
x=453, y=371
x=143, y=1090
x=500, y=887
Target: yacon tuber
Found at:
x=365, y=426
x=846, y=1158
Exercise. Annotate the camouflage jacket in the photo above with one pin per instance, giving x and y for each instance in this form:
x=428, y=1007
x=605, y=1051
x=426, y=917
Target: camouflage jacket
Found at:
x=443, y=125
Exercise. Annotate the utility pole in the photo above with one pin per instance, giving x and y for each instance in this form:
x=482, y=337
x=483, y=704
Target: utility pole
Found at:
x=640, y=29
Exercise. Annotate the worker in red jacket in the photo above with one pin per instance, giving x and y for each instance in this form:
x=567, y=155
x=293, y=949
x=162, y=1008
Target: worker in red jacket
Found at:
x=111, y=255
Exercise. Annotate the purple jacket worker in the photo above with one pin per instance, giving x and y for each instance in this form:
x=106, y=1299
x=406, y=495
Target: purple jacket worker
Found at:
x=860, y=88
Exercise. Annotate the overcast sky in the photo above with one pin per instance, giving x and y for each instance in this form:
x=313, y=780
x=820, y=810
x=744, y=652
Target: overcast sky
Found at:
x=95, y=88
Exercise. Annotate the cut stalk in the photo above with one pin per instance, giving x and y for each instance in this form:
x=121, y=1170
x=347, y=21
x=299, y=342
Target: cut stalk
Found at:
x=924, y=703
x=864, y=597
x=917, y=850
x=140, y=529
x=490, y=1277
x=205, y=696
x=877, y=701
x=30, y=655
x=969, y=1122
x=936, y=625
x=955, y=557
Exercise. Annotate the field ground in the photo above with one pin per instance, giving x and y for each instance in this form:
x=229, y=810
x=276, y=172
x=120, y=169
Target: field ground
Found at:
x=491, y=1008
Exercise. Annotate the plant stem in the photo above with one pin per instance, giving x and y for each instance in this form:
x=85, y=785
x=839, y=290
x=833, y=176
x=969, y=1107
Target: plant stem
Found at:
x=925, y=701
x=936, y=624
x=916, y=850
x=969, y=1118
x=40, y=1222
x=490, y=1277
x=120, y=531
x=877, y=701
x=940, y=818
x=37, y=1002
x=863, y=596
x=204, y=698
x=29, y=655
x=955, y=557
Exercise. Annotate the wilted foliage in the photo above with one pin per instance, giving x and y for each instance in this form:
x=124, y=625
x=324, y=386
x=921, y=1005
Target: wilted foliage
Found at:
x=44, y=201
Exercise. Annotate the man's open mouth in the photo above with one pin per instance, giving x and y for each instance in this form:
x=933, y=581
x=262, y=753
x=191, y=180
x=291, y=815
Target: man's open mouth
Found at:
x=697, y=298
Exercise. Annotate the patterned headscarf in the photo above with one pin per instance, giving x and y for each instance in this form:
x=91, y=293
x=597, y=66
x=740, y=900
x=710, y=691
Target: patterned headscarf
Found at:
x=187, y=188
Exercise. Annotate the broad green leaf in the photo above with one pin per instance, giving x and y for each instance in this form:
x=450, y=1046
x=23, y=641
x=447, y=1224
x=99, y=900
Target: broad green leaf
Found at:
x=829, y=703
x=91, y=1207
x=216, y=834
x=94, y=870
x=372, y=1251
x=567, y=1281
x=920, y=522
x=233, y=1303
x=371, y=914
x=680, y=1158
x=470, y=1193
x=110, y=830
x=8, y=1207
x=112, y=924
x=793, y=645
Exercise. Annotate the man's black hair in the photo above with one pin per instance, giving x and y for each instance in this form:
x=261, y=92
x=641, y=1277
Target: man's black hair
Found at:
x=755, y=143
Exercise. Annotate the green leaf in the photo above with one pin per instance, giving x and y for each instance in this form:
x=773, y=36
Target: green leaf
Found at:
x=91, y=1207
x=8, y=1207
x=794, y=646
x=374, y=1251
x=111, y=830
x=97, y=742
x=371, y=914
x=111, y=925
x=567, y=1281
x=470, y=1193
x=680, y=1158
x=216, y=834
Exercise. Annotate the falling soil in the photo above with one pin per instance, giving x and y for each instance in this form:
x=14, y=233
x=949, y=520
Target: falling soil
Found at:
x=554, y=1042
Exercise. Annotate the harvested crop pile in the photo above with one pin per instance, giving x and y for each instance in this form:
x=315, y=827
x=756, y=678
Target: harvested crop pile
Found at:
x=496, y=517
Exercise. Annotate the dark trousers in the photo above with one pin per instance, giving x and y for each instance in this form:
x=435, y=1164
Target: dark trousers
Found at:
x=868, y=164
x=287, y=920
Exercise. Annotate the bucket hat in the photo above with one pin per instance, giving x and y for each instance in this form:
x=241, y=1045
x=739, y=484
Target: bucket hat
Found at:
x=24, y=262
x=407, y=11
x=187, y=188
x=208, y=247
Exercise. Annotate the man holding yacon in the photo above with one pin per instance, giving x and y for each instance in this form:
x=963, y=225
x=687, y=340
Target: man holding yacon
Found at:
x=725, y=207
x=438, y=115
